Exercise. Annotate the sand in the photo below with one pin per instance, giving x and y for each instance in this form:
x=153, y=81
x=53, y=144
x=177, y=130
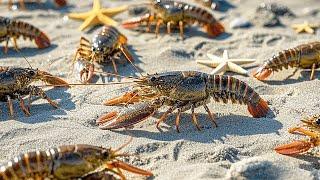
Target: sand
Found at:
x=240, y=148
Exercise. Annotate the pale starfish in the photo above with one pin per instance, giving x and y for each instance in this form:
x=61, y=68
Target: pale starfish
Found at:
x=305, y=27
x=224, y=64
x=98, y=15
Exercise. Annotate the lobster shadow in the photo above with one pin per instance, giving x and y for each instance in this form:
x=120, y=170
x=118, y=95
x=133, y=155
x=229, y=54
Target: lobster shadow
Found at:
x=313, y=159
x=26, y=52
x=227, y=125
x=304, y=76
x=124, y=67
x=42, y=112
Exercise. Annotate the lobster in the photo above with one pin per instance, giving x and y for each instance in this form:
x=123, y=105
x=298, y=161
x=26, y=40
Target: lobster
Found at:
x=15, y=83
x=175, y=13
x=69, y=162
x=106, y=46
x=310, y=127
x=10, y=28
x=303, y=56
x=181, y=90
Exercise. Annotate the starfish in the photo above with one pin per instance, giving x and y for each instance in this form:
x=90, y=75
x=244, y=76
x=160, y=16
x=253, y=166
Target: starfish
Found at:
x=305, y=27
x=98, y=15
x=226, y=64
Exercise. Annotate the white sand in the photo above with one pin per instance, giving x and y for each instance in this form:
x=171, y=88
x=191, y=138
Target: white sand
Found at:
x=241, y=147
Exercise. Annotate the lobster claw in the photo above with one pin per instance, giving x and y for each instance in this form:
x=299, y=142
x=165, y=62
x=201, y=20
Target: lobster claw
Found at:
x=84, y=71
x=294, y=148
x=51, y=79
x=127, y=117
x=262, y=73
x=136, y=21
x=127, y=167
x=127, y=98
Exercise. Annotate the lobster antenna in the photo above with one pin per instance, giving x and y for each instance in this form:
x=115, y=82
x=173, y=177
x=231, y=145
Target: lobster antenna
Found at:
x=124, y=145
x=23, y=57
x=90, y=84
x=117, y=75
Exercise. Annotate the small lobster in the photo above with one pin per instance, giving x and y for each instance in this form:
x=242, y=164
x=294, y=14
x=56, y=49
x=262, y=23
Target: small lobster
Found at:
x=310, y=127
x=181, y=90
x=106, y=46
x=58, y=3
x=302, y=56
x=175, y=13
x=14, y=29
x=69, y=162
x=15, y=83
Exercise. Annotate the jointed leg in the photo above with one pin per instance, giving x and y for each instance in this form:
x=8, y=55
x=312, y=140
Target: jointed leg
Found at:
x=169, y=27
x=23, y=107
x=304, y=132
x=36, y=91
x=10, y=105
x=181, y=26
x=22, y=5
x=159, y=22
x=165, y=115
x=313, y=71
x=14, y=39
x=194, y=118
x=211, y=116
x=178, y=120
x=5, y=48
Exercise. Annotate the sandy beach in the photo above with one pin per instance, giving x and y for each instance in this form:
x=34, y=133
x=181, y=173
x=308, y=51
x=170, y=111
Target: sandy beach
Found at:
x=241, y=147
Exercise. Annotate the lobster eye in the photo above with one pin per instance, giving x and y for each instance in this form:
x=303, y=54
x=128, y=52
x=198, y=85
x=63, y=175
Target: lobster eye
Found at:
x=32, y=73
x=105, y=154
x=318, y=121
x=152, y=79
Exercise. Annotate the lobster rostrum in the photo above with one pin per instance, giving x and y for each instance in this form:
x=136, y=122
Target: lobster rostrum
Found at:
x=69, y=162
x=58, y=3
x=13, y=29
x=174, y=13
x=303, y=56
x=15, y=83
x=106, y=46
x=310, y=127
x=181, y=90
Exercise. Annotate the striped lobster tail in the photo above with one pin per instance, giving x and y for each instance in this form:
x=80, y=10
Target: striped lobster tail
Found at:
x=16, y=28
x=227, y=88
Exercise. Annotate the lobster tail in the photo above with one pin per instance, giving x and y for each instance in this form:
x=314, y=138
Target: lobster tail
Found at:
x=42, y=40
x=258, y=110
x=214, y=29
x=227, y=88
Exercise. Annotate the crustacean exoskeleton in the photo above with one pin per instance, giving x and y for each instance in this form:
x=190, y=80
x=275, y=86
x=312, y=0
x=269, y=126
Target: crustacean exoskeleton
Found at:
x=15, y=83
x=69, y=162
x=13, y=29
x=58, y=3
x=174, y=13
x=310, y=127
x=303, y=56
x=181, y=90
x=106, y=46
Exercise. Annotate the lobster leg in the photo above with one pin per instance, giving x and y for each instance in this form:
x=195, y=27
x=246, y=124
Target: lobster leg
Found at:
x=10, y=105
x=159, y=22
x=169, y=27
x=5, y=48
x=181, y=26
x=22, y=5
x=178, y=120
x=211, y=116
x=304, y=132
x=165, y=115
x=36, y=91
x=23, y=107
x=313, y=71
x=194, y=118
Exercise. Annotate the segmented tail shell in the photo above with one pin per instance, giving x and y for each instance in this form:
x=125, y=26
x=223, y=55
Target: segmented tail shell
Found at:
x=227, y=88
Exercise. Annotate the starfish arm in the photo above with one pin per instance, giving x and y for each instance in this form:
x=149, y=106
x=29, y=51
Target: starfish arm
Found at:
x=309, y=30
x=208, y=63
x=82, y=16
x=215, y=58
x=89, y=21
x=225, y=55
x=106, y=20
x=113, y=11
x=242, y=61
x=236, y=68
x=96, y=5
x=222, y=68
x=299, y=29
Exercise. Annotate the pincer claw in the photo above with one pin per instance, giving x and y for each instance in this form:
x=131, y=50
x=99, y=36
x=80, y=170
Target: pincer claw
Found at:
x=294, y=148
x=127, y=117
x=127, y=98
x=84, y=71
